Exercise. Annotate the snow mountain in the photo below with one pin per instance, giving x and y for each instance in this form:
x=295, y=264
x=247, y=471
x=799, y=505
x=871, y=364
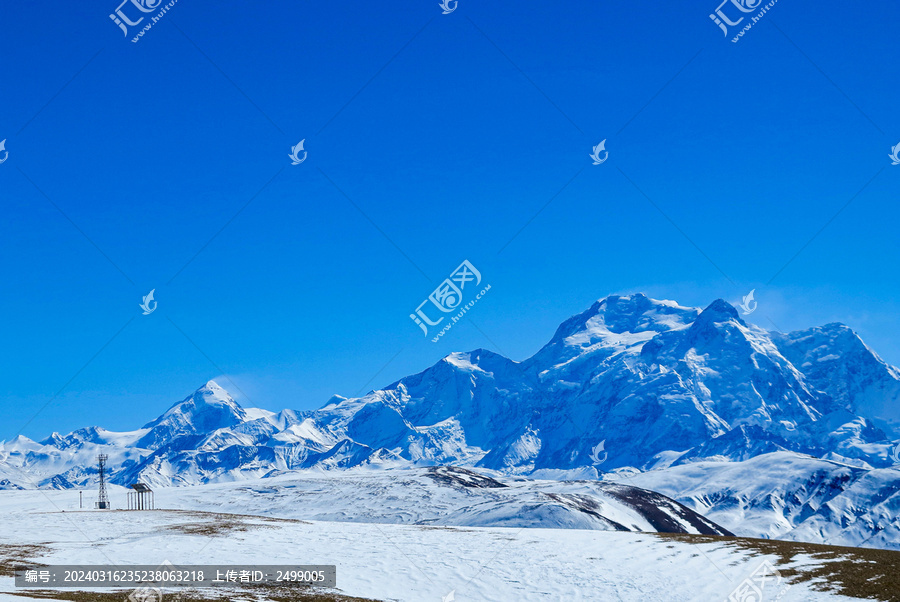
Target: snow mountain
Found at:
x=631, y=386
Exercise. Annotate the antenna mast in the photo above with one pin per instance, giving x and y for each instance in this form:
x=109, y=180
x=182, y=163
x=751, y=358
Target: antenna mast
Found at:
x=103, y=499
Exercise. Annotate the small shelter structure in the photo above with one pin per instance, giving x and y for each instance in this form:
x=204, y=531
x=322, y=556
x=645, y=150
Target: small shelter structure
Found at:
x=141, y=498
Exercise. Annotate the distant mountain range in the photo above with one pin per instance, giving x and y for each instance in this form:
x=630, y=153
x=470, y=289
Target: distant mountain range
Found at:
x=647, y=392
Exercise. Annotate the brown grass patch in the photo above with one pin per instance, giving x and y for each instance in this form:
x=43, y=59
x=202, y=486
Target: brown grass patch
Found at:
x=219, y=523
x=858, y=572
x=16, y=556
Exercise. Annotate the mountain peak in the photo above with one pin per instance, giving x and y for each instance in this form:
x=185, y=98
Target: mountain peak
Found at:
x=213, y=387
x=720, y=311
x=54, y=439
x=211, y=394
x=614, y=322
x=467, y=359
x=209, y=408
x=621, y=314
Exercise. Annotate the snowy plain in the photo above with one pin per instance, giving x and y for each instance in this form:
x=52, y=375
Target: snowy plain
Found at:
x=408, y=563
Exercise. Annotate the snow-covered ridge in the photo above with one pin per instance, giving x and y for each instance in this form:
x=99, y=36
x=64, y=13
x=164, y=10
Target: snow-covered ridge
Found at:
x=445, y=496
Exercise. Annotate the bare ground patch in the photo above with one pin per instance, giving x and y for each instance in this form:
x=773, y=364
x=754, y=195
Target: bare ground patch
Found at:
x=225, y=515
x=857, y=572
x=219, y=524
x=16, y=556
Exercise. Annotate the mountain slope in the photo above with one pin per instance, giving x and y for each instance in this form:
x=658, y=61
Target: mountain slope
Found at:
x=789, y=496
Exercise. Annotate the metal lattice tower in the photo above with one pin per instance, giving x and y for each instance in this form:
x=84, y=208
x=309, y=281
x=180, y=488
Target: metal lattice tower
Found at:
x=103, y=499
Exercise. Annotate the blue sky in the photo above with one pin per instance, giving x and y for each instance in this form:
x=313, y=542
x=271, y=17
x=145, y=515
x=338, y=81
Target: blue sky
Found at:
x=432, y=138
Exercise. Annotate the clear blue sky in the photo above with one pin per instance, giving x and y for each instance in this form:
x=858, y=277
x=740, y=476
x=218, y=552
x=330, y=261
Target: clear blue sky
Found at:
x=131, y=166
